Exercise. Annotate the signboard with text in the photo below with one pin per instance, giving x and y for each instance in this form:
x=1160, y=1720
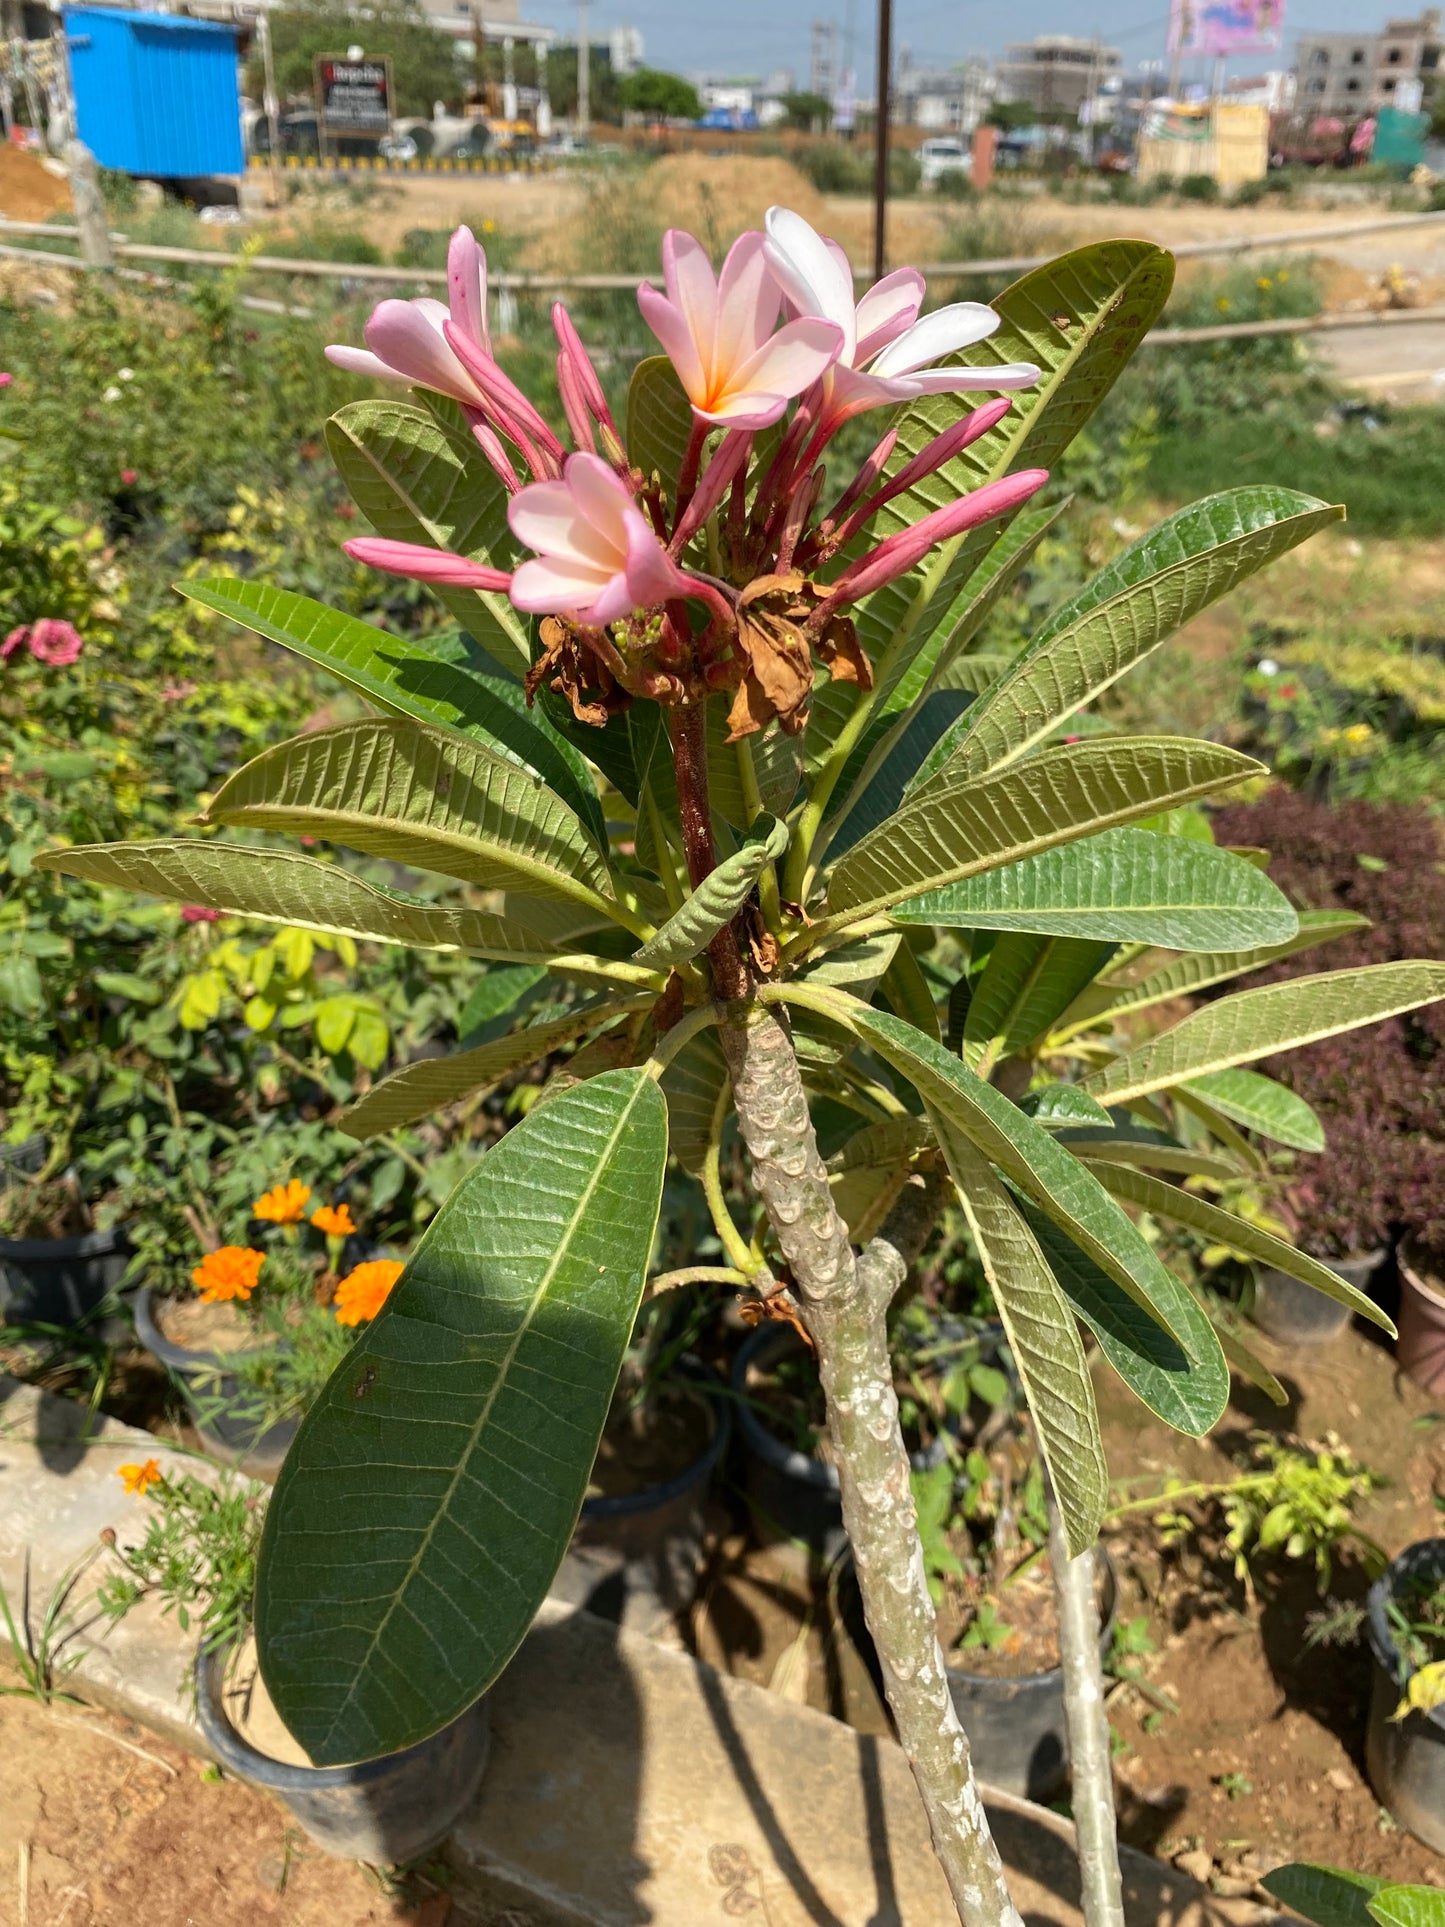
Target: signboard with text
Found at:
x=1218, y=28
x=353, y=96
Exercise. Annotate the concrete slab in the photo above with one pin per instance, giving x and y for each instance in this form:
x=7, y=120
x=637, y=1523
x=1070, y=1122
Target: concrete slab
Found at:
x=628, y=1783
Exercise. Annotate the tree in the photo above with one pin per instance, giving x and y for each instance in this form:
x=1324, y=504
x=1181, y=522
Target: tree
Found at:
x=857, y=890
x=810, y=113
x=426, y=66
x=605, y=99
x=659, y=95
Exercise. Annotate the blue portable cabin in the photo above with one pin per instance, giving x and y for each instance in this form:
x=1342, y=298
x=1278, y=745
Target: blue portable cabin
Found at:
x=155, y=93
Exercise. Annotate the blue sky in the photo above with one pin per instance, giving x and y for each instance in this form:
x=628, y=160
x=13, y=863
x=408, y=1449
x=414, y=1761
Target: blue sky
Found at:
x=753, y=36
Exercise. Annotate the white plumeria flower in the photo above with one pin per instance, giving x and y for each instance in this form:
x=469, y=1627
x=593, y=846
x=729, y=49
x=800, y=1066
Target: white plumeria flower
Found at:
x=887, y=351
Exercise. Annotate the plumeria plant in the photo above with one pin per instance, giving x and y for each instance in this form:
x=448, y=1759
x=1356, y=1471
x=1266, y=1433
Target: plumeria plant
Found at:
x=712, y=745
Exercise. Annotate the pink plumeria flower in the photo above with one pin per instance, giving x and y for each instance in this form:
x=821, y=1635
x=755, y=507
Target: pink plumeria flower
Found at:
x=421, y=564
x=597, y=556
x=887, y=351
x=405, y=340
x=904, y=551
x=718, y=333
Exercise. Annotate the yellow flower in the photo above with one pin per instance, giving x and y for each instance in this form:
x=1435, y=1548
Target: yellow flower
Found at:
x=362, y=1292
x=1224, y=304
x=1264, y=282
x=334, y=1220
x=138, y=1477
x=230, y=1272
x=489, y=227
x=286, y=1204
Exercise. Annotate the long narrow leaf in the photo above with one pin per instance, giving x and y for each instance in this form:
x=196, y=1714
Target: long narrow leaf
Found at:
x=432, y=1082
x=1127, y=886
x=1061, y=794
x=1262, y=1105
x=1257, y=1023
x=417, y=795
x=416, y=478
x=716, y=900
x=1152, y=590
x=430, y=1494
x=278, y=886
x=409, y=680
x=1224, y=1228
x=1042, y=1337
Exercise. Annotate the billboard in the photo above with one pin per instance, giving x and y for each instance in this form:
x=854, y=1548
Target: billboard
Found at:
x=353, y=96
x=1218, y=28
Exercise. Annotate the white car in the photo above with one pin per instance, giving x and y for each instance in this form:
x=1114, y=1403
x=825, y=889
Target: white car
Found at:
x=943, y=156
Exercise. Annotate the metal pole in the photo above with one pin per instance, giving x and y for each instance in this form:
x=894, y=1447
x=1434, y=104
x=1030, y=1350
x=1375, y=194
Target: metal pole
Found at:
x=880, y=137
x=270, y=102
x=584, y=78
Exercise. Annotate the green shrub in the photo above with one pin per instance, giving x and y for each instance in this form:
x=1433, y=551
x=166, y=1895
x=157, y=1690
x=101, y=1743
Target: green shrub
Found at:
x=1198, y=187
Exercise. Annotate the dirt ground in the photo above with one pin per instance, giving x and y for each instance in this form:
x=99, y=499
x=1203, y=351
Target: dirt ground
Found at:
x=28, y=190
x=103, y=1825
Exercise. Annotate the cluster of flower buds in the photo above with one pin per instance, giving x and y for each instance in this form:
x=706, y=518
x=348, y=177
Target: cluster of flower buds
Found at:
x=618, y=564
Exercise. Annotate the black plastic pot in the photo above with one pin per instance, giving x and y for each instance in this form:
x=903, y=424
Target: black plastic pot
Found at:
x=60, y=1281
x=229, y=1417
x=1405, y=1758
x=384, y=1811
x=1016, y=1727
x=635, y=1558
x=1293, y=1313
x=25, y=1159
x=790, y=1494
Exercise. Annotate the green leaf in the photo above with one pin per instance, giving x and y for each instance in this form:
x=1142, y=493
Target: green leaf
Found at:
x=333, y=1019
x=1257, y=1023
x=908, y=745
x=1153, y=589
x=909, y=992
x=691, y=1084
x=1043, y=1338
x=1179, y=976
x=416, y=795
x=858, y=967
x=418, y=480
x=1224, y=1228
x=1060, y=1106
x=938, y=664
x=1148, y=1148
x=1060, y=795
x=409, y=680
x=279, y=886
x=1189, y=1395
x=659, y=421
x=1022, y=988
x=1263, y=1105
x=495, y=994
x=1029, y=1157
x=432, y=1082
x=1126, y=886
x=430, y=1494
x=716, y=900
x=1080, y=319
x=1401, y=1906
x=1326, y=1895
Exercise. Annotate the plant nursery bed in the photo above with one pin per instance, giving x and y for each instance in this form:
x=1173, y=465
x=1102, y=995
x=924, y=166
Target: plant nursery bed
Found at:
x=1264, y=1761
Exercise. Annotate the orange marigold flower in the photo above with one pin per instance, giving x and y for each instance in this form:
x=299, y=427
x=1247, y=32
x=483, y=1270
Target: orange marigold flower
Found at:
x=334, y=1220
x=230, y=1272
x=362, y=1292
x=286, y=1204
x=138, y=1477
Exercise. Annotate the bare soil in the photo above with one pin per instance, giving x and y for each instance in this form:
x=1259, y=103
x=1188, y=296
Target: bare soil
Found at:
x=1025, y=1603
x=1266, y=1755
x=28, y=190
x=104, y=1825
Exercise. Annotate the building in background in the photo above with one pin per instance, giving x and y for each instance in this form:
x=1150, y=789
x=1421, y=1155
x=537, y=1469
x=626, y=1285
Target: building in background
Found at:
x=1055, y=72
x=499, y=20
x=942, y=100
x=1350, y=74
x=626, y=47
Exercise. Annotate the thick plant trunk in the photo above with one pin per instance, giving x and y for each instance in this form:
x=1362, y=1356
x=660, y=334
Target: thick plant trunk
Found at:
x=844, y=1301
x=1088, y=1724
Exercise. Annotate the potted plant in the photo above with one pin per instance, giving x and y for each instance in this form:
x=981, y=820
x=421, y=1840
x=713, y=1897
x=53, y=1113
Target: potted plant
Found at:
x=1421, y=1346
x=806, y=877
x=197, y=1554
x=1336, y=1208
x=1405, y=1740
x=636, y=1551
x=58, y=1264
x=264, y=1328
